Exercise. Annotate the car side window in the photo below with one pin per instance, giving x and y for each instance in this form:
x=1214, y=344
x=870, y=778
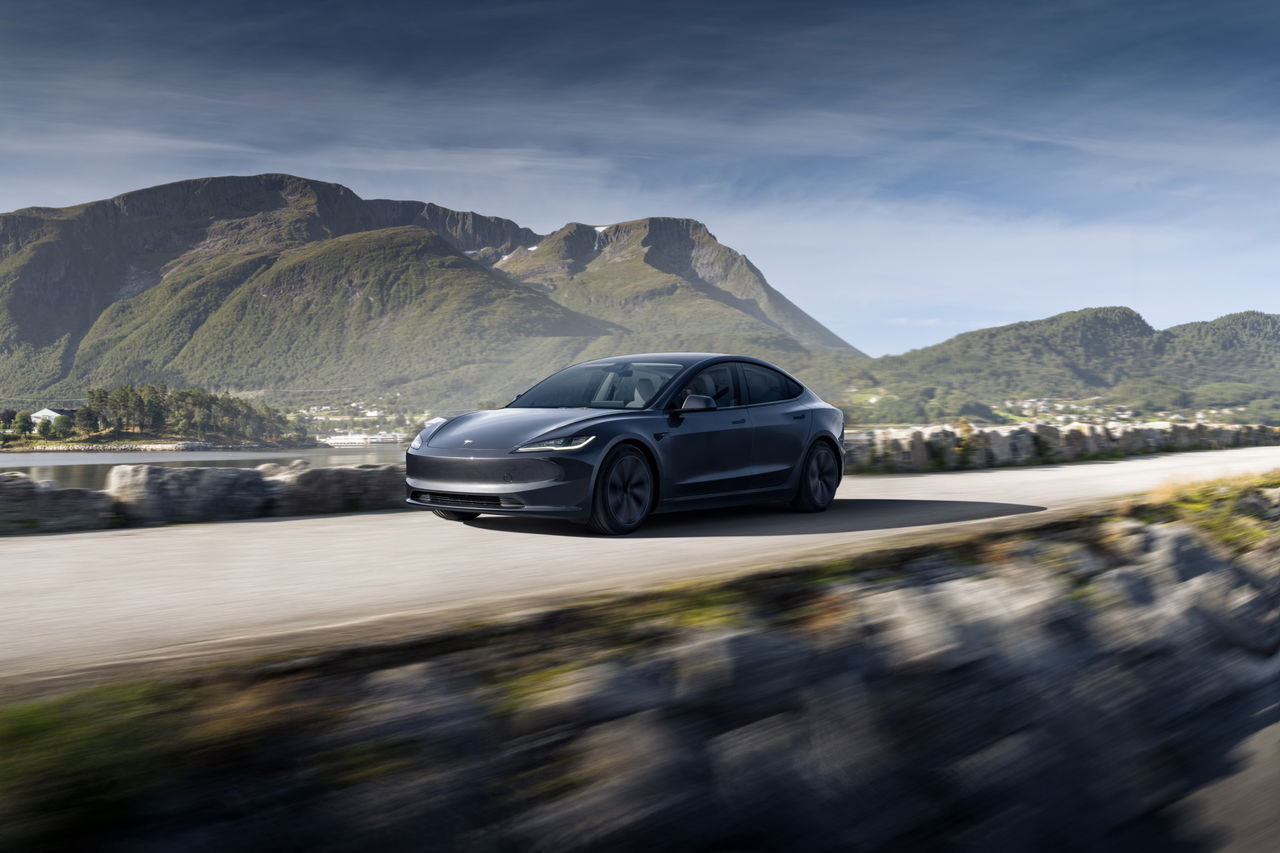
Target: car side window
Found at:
x=769, y=386
x=715, y=382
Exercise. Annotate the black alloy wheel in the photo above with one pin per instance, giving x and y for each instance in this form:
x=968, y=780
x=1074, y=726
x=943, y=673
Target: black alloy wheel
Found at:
x=818, y=480
x=456, y=514
x=624, y=492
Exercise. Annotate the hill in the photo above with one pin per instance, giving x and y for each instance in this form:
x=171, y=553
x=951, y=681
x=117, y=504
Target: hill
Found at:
x=1111, y=353
x=277, y=282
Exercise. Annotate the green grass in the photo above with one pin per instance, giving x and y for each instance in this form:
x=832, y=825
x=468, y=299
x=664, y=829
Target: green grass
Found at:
x=1214, y=508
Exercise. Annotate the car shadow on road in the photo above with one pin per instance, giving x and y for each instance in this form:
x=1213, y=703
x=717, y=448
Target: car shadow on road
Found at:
x=843, y=516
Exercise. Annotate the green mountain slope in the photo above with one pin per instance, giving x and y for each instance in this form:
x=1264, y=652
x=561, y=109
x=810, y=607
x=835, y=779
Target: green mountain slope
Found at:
x=1060, y=356
x=276, y=282
x=1241, y=347
x=1105, y=352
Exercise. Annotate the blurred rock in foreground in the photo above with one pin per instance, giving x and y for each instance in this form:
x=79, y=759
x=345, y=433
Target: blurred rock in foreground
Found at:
x=1050, y=690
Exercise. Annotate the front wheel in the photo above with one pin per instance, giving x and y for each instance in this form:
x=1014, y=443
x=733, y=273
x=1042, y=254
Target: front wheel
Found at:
x=818, y=480
x=624, y=492
x=455, y=514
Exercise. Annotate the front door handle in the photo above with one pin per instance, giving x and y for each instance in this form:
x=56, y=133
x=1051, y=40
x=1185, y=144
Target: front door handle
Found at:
x=799, y=416
x=739, y=421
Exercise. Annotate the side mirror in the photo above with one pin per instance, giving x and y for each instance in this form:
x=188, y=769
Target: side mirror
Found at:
x=697, y=402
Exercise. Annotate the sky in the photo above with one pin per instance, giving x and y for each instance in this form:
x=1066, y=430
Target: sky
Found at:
x=904, y=171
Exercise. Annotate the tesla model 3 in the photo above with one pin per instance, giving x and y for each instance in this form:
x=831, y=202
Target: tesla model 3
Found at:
x=613, y=440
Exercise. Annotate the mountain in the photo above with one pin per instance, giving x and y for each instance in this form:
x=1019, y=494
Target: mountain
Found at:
x=1111, y=352
x=1061, y=356
x=276, y=282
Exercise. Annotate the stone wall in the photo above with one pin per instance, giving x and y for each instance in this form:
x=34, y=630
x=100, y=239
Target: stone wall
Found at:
x=1044, y=690
x=156, y=494
x=935, y=448
x=30, y=506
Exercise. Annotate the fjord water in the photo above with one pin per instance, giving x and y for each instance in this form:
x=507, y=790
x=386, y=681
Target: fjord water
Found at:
x=89, y=470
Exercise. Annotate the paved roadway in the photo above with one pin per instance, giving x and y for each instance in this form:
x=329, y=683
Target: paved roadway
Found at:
x=81, y=599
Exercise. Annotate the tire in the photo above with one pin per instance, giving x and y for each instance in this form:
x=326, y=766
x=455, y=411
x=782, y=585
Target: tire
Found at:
x=624, y=493
x=819, y=479
x=456, y=514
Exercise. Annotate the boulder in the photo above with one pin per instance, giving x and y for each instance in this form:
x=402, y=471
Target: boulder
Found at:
x=1049, y=443
x=61, y=509
x=642, y=784
x=17, y=503
x=44, y=507
x=738, y=675
x=911, y=632
x=301, y=490
x=153, y=494
x=421, y=704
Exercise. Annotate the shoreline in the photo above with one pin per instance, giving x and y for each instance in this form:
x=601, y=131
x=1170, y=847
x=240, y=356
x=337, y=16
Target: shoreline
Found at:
x=155, y=447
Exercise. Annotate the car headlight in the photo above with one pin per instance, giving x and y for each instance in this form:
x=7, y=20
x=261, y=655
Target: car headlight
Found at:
x=427, y=428
x=576, y=442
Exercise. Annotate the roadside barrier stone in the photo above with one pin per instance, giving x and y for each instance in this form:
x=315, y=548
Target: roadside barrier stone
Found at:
x=948, y=447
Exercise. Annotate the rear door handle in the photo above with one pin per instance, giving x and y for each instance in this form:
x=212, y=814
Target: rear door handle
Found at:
x=739, y=421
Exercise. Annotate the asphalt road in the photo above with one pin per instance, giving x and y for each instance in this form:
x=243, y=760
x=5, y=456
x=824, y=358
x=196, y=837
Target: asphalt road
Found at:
x=83, y=599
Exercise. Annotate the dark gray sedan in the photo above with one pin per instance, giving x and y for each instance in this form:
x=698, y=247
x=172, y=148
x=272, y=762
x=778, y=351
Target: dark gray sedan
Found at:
x=610, y=441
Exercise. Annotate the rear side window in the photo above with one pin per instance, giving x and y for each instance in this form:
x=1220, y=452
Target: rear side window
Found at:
x=768, y=386
x=715, y=382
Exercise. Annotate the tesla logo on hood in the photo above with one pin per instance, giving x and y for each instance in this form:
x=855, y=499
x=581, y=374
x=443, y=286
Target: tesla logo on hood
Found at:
x=466, y=441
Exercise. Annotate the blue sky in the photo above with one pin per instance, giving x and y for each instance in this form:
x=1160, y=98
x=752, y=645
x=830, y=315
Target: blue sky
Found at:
x=903, y=170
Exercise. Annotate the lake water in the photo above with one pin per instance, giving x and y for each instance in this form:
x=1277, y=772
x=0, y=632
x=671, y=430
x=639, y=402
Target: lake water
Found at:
x=89, y=470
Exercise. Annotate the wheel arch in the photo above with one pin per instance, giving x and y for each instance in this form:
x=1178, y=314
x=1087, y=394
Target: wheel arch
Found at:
x=824, y=438
x=831, y=442
x=650, y=457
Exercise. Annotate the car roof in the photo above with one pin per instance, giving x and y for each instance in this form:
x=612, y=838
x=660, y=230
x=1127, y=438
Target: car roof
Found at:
x=682, y=358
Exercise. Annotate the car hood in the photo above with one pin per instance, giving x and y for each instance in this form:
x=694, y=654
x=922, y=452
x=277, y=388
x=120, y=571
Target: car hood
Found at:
x=505, y=429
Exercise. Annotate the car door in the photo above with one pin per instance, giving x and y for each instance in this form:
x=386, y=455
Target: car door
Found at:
x=708, y=452
x=781, y=422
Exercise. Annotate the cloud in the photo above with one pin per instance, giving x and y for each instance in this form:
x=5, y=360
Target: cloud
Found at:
x=77, y=141
x=901, y=170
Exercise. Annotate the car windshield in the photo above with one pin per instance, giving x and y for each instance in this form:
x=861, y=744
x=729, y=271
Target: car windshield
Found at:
x=600, y=385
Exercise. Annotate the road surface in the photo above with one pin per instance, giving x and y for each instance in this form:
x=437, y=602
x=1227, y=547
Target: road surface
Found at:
x=78, y=600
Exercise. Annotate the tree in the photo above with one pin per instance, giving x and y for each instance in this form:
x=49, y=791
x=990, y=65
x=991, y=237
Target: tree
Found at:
x=22, y=423
x=6, y=417
x=45, y=429
x=125, y=406
x=153, y=400
x=95, y=401
x=62, y=426
x=87, y=419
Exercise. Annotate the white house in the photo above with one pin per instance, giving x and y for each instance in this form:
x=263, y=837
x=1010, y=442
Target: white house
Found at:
x=50, y=414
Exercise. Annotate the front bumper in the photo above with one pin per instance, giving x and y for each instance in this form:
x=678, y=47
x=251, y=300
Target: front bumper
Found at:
x=500, y=482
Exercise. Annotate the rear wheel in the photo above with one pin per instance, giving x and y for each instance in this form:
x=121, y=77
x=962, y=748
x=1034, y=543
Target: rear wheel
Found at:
x=624, y=492
x=456, y=514
x=818, y=480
